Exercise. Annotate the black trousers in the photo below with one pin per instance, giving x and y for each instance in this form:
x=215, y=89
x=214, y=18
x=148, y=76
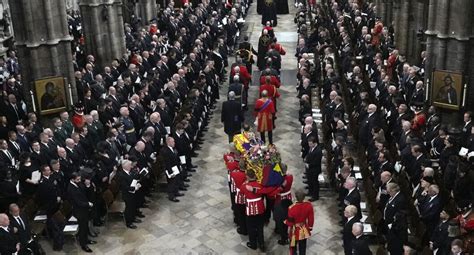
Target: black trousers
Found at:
x=240, y=217
x=83, y=222
x=130, y=207
x=269, y=203
x=300, y=247
x=282, y=230
x=313, y=183
x=255, y=230
x=270, y=137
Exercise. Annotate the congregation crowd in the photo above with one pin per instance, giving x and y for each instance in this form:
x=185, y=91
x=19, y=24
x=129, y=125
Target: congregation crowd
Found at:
x=137, y=120
x=415, y=171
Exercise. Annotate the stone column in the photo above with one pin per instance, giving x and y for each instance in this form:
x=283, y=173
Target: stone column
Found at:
x=146, y=10
x=103, y=29
x=43, y=42
x=402, y=29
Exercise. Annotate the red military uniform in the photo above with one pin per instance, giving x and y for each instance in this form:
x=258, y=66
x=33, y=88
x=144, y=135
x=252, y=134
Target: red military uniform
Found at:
x=254, y=200
x=466, y=222
x=237, y=178
x=278, y=48
x=264, y=109
x=285, y=193
x=273, y=80
x=418, y=122
x=300, y=220
x=245, y=77
x=272, y=91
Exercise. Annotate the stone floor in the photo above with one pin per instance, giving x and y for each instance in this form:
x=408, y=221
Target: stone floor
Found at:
x=202, y=222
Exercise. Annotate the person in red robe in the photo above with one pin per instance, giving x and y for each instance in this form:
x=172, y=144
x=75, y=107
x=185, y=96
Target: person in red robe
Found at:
x=265, y=113
x=273, y=80
x=300, y=220
x=77, y=119
x=245, y=78
x=271, y=89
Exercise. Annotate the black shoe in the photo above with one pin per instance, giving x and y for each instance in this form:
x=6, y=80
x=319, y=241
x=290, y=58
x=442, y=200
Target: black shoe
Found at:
x=179, y=194
x=145, y=206
x=132, y=226
x=241, y=232
x=186, y=180
x=173, y=200
x=92, y=234
x=189, y=175
x=186, y=185
x=137, y=221
x=98, y=224
x=253, y=247
x=192, y=170
x=194, y=166
x=91, y=242
x=86, y=249
x=194, y=154
x=304, y=177
x=283, y=242
x=57, y=248
x=183, y=189
x=140, y=215
x=305, y=182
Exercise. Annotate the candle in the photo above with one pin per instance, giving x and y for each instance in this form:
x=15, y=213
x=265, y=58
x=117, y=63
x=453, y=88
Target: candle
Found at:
x=70, y=94
x=33, y=101
x=427, y=89
x=464, y=95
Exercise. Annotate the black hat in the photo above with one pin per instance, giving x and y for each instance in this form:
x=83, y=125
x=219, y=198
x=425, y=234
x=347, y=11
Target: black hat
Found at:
x=79, y=107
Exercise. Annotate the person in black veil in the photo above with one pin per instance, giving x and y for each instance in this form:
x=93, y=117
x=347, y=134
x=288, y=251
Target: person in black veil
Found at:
x=282, y=6
x=269, y=13
x=263, y=43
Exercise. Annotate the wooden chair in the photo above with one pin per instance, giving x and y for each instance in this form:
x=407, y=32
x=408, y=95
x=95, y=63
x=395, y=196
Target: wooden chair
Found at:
x=113, y=205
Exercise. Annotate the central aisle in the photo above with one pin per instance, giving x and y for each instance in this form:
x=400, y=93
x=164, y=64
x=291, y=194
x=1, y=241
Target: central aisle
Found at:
x=202, y=222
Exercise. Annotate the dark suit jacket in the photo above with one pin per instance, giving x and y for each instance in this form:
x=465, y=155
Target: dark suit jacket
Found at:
x=80, y=203
x=360, y=246
x=347, y=235
x=23, y=235
x=313, y=159
x=429, y=210
x=7, y=242
x=232, y=116
x=440, y=237
x=365, y=129
x=170, y=159
x=396, y=205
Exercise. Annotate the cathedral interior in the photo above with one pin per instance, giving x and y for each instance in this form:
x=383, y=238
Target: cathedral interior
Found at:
x=122, y=130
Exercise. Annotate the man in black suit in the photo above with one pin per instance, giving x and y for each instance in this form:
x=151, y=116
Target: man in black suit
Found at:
x=367, y=124
x=350, y=214
x=382, y=194
x=415, y=170
x=359, y=244
x=19, y=226
x=8, y=242
x=172, y=168
x=232, y=116
x=466, y=129
x=353, y=195
x=126, y=179
x=430, y=209
x=49, y=199
x=13, y=145
x=14, y=112
x=313, y=168
x=395, y=204
x=439, y=238
x=6, y=156
x=183, y=147
x=80, y=209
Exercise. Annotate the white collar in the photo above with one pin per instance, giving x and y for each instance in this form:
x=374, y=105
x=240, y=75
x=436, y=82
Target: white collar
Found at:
x=73, y=183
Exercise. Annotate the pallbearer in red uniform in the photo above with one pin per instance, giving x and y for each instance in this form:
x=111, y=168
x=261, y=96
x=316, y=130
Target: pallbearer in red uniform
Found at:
x=255, y=208
x=232, y=164
x=237, y=178
x=466, y=222
x=265, y=111
x=300, y=221
x=285, y=192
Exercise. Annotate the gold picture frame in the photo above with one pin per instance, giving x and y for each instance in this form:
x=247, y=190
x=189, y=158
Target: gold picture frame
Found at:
x=50, y=93
x=447, y=89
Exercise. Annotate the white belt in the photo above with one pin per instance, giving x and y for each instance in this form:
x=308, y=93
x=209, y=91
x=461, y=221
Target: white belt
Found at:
x=238, y=190
x=254, y=200
x=286, y=193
